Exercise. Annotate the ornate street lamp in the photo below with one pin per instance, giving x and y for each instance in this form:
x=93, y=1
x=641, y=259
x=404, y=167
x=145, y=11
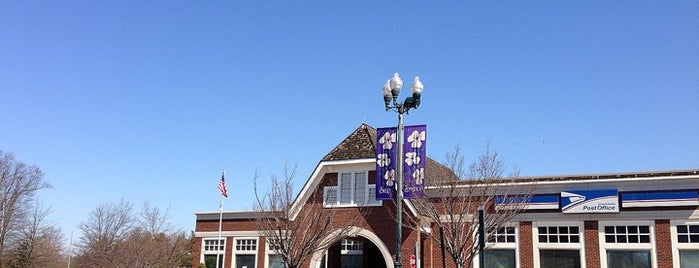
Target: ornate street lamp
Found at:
x=390, y=96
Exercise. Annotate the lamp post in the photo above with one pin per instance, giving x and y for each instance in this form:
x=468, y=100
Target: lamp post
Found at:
x=390, y=96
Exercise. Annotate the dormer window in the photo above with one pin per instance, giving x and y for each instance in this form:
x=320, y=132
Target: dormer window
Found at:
x=353, y=189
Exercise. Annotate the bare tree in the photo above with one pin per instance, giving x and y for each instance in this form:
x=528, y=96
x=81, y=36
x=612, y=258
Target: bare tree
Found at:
x=18, y=186
x=453, y=199
x=103, y=233
x=39, y=243
x=295, y=239
x=114, y=237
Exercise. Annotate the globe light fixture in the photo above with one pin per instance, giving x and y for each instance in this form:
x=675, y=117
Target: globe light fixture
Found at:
x=390, y=91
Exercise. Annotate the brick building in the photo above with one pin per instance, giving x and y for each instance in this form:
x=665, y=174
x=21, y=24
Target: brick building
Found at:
x=646, y=219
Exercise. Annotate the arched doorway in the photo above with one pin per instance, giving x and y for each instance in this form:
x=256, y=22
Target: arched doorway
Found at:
x=363, y=250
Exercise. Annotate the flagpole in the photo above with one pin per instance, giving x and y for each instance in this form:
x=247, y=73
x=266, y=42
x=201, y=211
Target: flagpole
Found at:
x=220, y=222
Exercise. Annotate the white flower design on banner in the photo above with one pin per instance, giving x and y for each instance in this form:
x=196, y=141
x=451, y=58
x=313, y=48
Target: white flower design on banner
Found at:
x=412, y=158
x=383, y=160
x=390, y=177
x=416, y=138
x=387, y=140
x=419, y=176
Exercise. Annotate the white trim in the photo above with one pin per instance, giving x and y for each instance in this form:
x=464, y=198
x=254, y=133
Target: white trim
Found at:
x=315, y=178
x=204, y=252
x=563, y=246
x=356, y=231
x=235, y=252
x=676, y=246
x=228, y=233
x=504, y=246
x=604, y=246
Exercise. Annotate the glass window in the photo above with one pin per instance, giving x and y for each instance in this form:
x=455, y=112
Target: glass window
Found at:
x=560, y=258
x=559, y=234
x=245, y=261
x=350, y=246
x=628, y=258
x=499, y=258
x=503, y=235
x=360, y=185
x=245, y=244
x=352, y=189
x=210, y=245
x=346, y=188
x=275, y=261
x=688, y=233
x=689, y=258
x=632, y=234
x=330, y=195
x=210, y=260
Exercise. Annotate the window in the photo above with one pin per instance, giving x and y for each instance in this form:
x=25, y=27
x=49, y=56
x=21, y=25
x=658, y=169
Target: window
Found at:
x=627, y=244
x=628, y=258
x=275, y=261
x=689, y=258
x=627, y=234
x=501, y=248
x=688, y=233
x=559, y=245
x=245, y=252
x=245, y=244
x=351, y=253
x=499, y=258
x=212, y=249
x=555, y=258
x=559, y=234
x=350, y=246
x=353, y=189
x=503, y=235
x=685, y=244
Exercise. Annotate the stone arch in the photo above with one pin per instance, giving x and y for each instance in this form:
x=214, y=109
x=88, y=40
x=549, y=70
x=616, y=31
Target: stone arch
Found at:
x=357, y=231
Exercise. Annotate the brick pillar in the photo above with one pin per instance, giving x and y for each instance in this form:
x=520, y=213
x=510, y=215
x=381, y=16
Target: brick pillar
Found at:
x=526, y=248
x=663, y=243
x=591, y=234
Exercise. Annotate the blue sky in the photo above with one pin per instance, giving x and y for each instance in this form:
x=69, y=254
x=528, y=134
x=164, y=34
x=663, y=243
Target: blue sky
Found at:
x=149, y=101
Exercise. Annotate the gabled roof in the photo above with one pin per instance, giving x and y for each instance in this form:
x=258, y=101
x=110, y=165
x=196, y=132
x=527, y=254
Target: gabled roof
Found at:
x=360, y=148
x=358, y=145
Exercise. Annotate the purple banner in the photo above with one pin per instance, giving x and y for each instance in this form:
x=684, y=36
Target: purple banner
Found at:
x=414, y=152
x=386, y=148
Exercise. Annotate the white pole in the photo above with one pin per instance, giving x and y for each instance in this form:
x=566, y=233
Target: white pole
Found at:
x=220, y=222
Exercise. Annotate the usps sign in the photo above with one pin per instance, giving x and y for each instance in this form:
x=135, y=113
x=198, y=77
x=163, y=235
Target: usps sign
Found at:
x=591, y=201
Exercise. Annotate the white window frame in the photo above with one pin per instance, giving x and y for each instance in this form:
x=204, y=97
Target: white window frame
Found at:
x=503, y=245
x=580, y=246
x=351, y=242
x=676, y=245
x=604, y=246
x=205, y=251
x=269, y=251
x=235, y=251
x=369, y=188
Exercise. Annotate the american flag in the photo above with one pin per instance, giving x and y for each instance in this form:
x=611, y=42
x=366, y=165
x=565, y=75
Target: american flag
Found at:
x=222, y=185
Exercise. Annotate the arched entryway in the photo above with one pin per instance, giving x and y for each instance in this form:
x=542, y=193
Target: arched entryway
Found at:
x=363, y=250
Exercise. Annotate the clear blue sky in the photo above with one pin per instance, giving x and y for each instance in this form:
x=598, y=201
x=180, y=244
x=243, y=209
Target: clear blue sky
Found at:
x=148, y=101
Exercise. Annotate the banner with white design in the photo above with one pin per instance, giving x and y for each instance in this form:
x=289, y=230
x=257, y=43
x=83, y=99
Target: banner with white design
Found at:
x=414, y=158
x=386, y=149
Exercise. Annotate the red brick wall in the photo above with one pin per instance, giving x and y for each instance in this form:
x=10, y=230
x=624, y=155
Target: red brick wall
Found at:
x=591, y=233
x=663, y=243
x=526, y=247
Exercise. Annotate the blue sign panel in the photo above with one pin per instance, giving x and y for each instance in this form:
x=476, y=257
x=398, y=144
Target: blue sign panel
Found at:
x=660, y=199
x=590, y=201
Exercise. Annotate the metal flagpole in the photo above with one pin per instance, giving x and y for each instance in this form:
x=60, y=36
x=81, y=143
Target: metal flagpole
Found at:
x=220, y=218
